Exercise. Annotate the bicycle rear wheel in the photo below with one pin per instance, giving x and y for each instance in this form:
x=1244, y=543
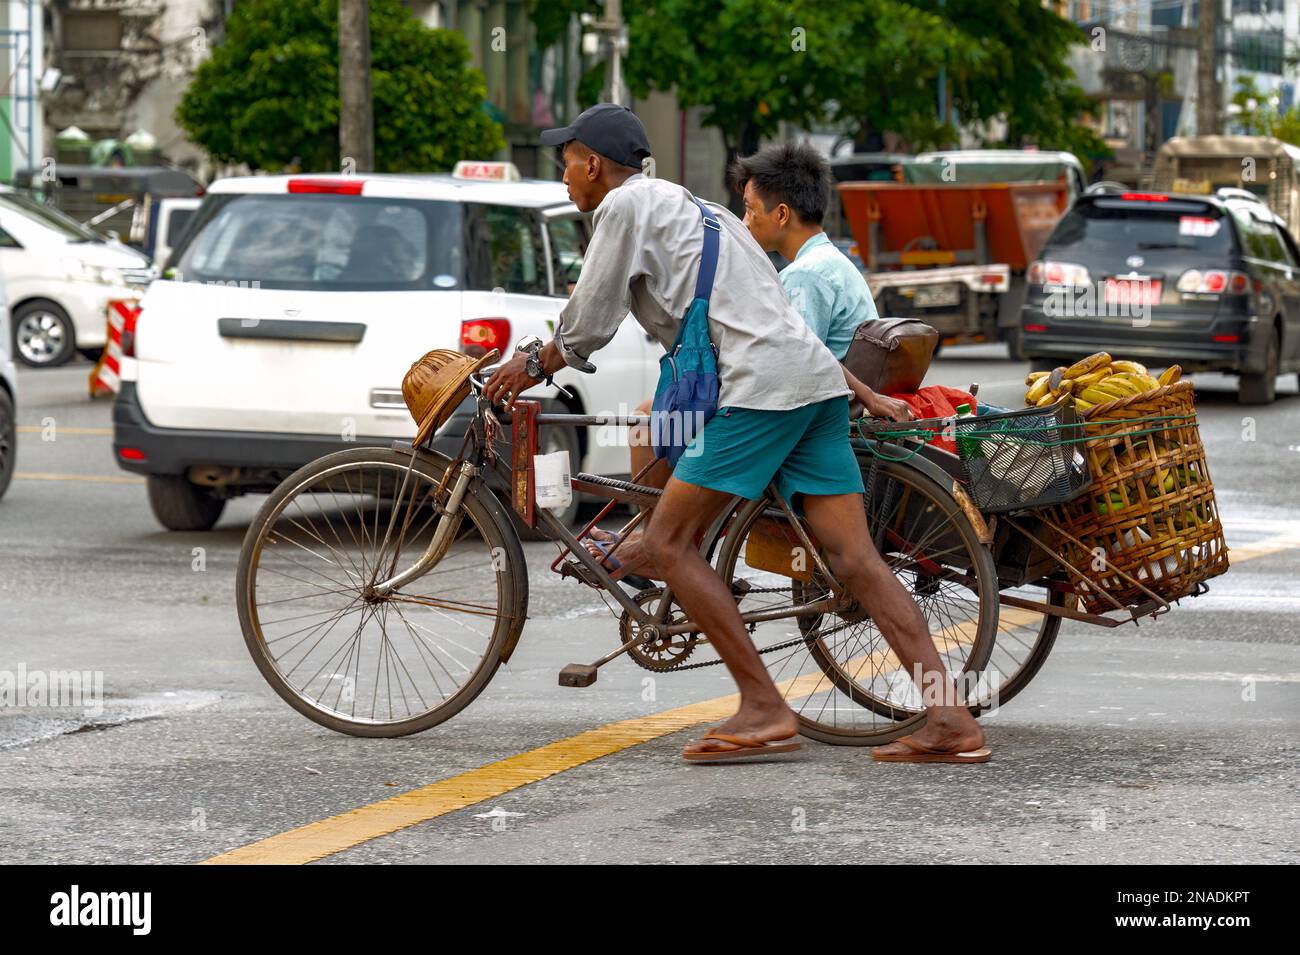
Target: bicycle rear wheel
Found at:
x=345, y=657
x=836, y=669
x=1024, y=641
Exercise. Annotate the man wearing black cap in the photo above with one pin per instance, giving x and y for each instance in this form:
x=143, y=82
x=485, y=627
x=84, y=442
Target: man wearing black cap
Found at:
x=783, y=418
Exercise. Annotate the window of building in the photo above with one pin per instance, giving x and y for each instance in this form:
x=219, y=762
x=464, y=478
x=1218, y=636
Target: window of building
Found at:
x=1257, y=6
x=1168, y=13
x=1258, y=52
x=91, y=31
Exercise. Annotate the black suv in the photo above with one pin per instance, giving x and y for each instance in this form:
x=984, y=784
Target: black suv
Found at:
x=1211, y=283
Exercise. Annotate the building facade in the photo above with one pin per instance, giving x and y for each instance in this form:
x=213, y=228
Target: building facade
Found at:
x=530, y=89
x=1139, y=61
x=22, y=66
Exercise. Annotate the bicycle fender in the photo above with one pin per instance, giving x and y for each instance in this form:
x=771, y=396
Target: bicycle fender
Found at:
x=914, y=459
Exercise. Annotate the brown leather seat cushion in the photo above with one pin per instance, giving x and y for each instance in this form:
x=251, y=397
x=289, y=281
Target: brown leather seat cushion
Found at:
x=891, y=355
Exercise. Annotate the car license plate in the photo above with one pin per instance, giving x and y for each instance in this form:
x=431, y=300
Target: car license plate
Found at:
x=936, y=296
x=1134, y=290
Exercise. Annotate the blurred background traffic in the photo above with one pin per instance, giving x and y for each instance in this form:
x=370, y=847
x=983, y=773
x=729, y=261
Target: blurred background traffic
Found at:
x=251, y=216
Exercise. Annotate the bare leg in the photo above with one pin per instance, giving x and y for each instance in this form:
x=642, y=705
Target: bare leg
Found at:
x=840, y=523
x=683, y=511
x=641, y=452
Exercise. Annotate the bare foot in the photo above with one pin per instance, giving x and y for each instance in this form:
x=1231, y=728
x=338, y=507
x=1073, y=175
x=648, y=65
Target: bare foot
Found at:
x=756, y=723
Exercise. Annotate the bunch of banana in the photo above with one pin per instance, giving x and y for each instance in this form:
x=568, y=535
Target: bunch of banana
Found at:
x=1094, y=380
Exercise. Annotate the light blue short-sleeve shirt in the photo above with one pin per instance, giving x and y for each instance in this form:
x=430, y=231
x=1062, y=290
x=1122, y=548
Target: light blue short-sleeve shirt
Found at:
x=827, y=289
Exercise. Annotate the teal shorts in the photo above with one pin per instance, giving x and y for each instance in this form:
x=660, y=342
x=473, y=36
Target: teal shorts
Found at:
x=806, y=450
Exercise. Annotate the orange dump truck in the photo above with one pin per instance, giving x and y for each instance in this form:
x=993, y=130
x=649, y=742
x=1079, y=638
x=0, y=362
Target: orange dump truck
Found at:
x=948, y=242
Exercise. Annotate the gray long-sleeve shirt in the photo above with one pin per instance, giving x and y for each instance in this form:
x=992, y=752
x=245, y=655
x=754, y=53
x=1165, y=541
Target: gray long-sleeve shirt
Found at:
x=644, y=256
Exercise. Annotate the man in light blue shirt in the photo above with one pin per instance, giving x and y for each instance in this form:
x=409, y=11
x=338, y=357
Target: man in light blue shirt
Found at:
x=830, y=294
x=786, y=188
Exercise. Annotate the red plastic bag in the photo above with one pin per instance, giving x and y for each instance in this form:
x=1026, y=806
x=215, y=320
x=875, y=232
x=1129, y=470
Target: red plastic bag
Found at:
x=937, y=401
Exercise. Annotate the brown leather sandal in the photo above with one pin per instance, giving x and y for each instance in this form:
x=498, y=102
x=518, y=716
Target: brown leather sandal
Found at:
x=920, y=753
x=745, y=747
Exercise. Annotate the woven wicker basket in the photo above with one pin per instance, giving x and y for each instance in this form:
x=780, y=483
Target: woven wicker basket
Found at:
x=1151, y=508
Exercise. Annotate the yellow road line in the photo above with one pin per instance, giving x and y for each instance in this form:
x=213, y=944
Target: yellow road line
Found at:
x=1238, y=553
x=86, y=478
x=58, y=430
x=328, y=836
x=317, y=840
x=335, y=834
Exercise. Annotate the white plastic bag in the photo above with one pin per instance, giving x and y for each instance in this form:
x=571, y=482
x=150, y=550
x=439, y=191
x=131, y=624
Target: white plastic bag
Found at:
x=551, y=477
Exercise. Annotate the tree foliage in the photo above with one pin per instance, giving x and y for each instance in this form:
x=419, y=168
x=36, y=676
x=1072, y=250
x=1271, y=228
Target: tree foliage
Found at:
x=269, y=94
x=1258, y=114
x=866, y=65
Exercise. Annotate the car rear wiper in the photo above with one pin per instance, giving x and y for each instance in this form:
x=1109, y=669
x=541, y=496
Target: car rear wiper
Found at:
x=1164, y=245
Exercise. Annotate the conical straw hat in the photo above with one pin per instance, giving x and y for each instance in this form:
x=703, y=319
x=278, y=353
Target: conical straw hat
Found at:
x=436, y=384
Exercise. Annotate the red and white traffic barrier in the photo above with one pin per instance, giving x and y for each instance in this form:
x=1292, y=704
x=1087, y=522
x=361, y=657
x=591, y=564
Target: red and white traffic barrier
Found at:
x=105, y=378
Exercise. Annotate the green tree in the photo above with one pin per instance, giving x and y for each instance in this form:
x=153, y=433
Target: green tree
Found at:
x=750, y=64
x=268, y=95
x=1018, y=72
x=1257, y=114
x=865, y=65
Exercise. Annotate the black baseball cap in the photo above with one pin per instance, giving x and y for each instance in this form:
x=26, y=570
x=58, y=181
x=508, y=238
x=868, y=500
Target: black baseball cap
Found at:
x=612, y=130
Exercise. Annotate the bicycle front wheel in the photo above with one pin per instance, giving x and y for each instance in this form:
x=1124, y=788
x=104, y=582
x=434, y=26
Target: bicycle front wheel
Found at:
x=342, y=655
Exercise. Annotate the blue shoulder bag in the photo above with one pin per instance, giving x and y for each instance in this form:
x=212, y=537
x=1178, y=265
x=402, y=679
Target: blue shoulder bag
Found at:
x=687, y=395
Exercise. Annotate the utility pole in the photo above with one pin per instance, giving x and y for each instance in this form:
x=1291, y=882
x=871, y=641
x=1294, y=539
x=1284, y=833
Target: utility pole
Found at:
x=1207, y=84
x=943, y=83
x=356, y=113
x=608, y=35
x=614, y=70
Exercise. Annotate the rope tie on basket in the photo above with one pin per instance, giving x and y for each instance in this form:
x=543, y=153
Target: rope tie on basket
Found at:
x=1021, y=436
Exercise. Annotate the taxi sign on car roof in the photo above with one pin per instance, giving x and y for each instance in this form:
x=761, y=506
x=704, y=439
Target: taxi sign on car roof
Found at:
x=498, y=171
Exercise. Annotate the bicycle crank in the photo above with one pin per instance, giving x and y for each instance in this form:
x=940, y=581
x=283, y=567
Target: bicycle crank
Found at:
x=644, y=643
x=652, y=649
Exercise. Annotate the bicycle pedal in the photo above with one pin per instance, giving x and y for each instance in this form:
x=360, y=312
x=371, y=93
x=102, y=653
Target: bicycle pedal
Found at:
x=578, y=674
x=580, y=573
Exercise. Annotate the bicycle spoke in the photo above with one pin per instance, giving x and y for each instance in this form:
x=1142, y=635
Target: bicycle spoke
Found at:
x=354, y=655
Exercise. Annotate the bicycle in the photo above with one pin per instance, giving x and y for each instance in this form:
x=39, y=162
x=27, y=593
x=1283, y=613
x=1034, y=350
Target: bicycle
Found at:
x=322, y=577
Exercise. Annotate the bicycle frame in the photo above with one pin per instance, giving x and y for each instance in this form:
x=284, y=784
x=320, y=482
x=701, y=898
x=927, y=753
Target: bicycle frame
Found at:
x=525, y=421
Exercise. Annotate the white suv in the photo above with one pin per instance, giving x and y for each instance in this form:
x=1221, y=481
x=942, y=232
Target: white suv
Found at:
x=60, y=276
x=283, y=323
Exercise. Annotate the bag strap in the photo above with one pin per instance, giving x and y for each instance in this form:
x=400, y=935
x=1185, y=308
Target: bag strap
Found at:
x=708, y=254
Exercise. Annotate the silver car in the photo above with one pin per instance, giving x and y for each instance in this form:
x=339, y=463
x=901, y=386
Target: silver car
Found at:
x=8, y=394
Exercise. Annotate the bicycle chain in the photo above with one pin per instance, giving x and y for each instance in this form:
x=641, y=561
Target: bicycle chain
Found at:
x=713, y=663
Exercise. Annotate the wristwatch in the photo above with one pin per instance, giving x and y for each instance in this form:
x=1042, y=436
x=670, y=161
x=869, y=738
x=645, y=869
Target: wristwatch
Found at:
x=532, y=347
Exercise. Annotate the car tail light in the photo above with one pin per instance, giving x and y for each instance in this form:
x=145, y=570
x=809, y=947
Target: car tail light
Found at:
x=1057, y=274
x=478, y=336
x=337, y=187
x=130, y=454
x=1213, y=282
x=1144, y=197
x=1035, y=328
x=1227, y=339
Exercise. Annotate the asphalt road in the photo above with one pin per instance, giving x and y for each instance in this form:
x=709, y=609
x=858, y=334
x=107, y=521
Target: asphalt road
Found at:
x=1175, y=741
